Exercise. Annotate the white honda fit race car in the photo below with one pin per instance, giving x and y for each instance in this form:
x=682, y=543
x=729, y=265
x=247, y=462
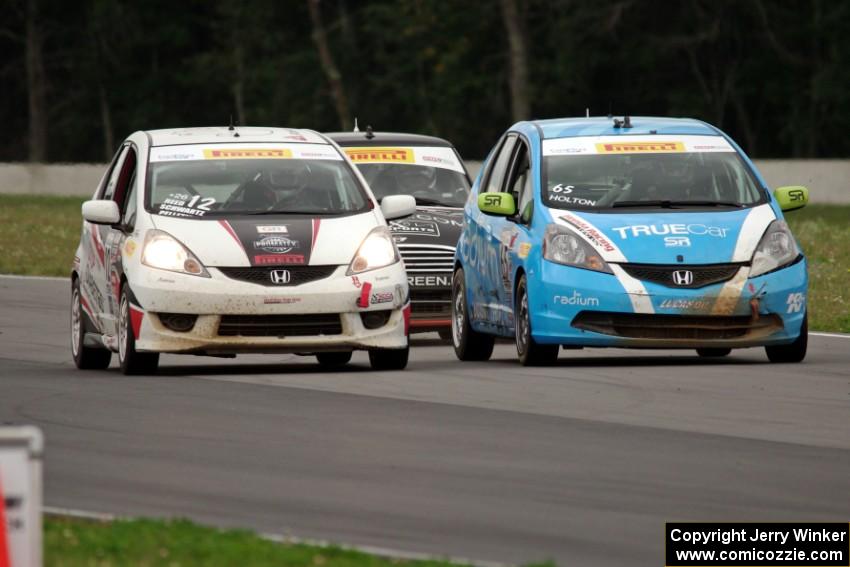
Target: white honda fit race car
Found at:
x=218, y=241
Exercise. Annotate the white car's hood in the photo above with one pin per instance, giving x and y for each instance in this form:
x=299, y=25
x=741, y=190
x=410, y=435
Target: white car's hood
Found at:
x=270, y=240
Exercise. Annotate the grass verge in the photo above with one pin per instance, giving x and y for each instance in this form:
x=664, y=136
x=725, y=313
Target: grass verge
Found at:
x=38, y=236
x=824, y=234
x=180, y=543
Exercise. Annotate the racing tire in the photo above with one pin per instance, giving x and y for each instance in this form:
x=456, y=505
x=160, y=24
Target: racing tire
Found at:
x=389, y=359
x=333, y=359
x=529, y=351
x=713, y=352
x=468, y=343
x=85, y=358
x=445, y=335
x=131, y=361
x=794, y=352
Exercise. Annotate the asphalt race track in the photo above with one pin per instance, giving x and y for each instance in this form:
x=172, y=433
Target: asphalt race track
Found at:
x=581, y=463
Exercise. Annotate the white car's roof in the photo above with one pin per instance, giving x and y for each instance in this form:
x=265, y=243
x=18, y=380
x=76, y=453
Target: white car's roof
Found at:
x=222, y=134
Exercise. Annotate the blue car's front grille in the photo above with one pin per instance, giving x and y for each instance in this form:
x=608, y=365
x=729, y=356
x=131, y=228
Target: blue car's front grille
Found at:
x=701, y=275
x=676, y=327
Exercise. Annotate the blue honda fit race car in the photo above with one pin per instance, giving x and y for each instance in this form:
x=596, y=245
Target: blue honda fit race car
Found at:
x=642, y=232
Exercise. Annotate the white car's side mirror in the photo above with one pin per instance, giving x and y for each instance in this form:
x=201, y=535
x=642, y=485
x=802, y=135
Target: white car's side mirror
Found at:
x=397, y=206
x=101, y=212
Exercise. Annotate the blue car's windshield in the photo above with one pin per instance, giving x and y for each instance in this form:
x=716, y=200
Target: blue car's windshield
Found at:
x=654, y=178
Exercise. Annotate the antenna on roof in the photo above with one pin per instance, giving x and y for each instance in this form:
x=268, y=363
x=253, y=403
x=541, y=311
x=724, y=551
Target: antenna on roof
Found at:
x=356, y=128
x=231, y=127
x=369, y=133
x=587, y=112
x=610, y=115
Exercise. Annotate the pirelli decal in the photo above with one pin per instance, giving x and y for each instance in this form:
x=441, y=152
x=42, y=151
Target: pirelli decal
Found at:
x=247, y=153
x=640, y=147
x=380, y=155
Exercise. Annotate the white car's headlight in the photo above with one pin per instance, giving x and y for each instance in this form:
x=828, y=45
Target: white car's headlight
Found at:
x=164, y=252
x=376, y=251
x=563, y=246
x=777, y=248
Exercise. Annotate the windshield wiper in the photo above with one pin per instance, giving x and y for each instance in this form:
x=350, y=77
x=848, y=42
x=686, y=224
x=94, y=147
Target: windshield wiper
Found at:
x=259, y=213
x=668, y=204
x=426, y=201
x=706, y=204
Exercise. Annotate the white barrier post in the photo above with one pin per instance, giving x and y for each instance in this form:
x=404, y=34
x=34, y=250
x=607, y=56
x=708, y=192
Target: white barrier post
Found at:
x=21, y=449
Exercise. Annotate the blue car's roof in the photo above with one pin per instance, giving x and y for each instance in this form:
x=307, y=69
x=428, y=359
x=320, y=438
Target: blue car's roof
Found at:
x=604, y=126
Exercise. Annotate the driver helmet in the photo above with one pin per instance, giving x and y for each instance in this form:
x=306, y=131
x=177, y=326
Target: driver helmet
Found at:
x=417, y=179
x=290, y=176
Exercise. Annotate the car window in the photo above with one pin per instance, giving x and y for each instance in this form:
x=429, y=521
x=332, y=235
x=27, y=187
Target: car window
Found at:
x=112, y=180
x=128, y=214
x=196, y=181
x=519, y=181
x=496, y=174
x=585, y=173
x=126, y=176
x=429, y=185
x=434, y=175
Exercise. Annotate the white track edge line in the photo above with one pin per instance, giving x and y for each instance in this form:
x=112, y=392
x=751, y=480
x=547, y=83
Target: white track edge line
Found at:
x=385, y=552
x=833, y=335
x=43, y=278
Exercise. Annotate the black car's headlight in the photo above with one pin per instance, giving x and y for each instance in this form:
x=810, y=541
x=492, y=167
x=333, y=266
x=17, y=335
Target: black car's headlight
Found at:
x=777, y=248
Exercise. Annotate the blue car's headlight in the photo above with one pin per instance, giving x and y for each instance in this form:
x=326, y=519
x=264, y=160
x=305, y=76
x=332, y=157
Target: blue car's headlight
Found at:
x=563, y=246
x=777, y=248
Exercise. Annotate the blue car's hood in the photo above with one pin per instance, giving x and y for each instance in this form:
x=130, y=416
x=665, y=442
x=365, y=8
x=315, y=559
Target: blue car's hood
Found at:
x=660, y=238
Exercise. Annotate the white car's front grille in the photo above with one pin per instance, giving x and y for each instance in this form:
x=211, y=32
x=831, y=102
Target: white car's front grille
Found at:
x=419, y=258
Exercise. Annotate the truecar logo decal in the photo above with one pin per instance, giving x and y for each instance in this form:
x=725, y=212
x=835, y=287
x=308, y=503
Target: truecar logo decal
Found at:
x=682, y=229
x=576, y=299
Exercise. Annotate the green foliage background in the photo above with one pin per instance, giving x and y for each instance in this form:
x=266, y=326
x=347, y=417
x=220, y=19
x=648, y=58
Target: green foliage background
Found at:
x=774, y=75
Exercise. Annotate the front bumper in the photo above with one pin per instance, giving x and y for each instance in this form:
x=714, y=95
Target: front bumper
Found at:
x=218, y=301
x=431, y=307
x=585, y=308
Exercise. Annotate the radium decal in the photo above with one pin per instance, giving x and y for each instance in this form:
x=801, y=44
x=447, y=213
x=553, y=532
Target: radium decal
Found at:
x=576, y=299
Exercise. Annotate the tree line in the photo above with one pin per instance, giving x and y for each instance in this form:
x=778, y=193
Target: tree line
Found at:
x=77, y=77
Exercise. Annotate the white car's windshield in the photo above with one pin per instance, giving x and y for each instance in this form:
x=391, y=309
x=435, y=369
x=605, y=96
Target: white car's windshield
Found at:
x=203, y=182
x=664, y=174
x=433, y=175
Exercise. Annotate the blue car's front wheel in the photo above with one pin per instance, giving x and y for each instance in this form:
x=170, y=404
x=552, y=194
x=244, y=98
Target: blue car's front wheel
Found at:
x=796, y=351
x=468, y=343
x=530, y=352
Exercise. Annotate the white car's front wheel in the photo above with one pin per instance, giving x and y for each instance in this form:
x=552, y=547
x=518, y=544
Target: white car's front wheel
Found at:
x=85, y=358
x=389, y=358
x=132, y=362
